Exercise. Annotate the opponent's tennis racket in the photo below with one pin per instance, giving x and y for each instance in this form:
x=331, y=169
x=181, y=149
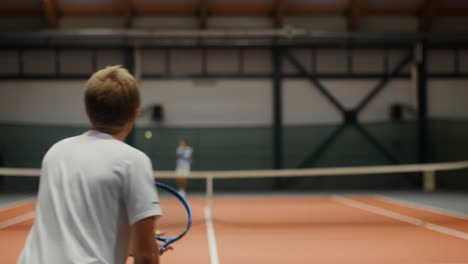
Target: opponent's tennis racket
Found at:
x=176, y=219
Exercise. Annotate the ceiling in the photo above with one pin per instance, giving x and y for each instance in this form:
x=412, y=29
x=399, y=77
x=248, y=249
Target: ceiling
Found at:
x=53, y=11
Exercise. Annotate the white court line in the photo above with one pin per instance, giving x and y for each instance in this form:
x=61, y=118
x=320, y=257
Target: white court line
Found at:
x=414, y=205
x=16, y=203
x=211, y=236
x=17, y=220
x=402, y=217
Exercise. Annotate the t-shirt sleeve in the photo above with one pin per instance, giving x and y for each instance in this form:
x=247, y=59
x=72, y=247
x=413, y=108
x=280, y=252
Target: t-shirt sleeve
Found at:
x=141, y=197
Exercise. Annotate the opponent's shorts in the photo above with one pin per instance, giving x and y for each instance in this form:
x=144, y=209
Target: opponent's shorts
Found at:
x=182, y=171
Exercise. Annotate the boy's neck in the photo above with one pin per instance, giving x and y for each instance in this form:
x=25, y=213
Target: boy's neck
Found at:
x=121, y=135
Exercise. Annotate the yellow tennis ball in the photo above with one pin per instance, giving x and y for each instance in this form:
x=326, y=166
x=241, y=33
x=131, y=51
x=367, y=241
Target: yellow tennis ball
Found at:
x=148, y=134
x=156, y=232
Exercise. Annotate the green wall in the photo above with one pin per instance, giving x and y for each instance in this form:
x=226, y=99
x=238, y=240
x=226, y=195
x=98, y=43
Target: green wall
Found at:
x=244, y=148
x=214, y=148
x=450, y=142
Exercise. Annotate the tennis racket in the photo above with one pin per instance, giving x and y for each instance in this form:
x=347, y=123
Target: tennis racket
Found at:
x=176, y=219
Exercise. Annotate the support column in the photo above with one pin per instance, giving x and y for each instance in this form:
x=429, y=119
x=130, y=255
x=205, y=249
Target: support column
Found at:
x=429, y=181
x=421, y=54
x=277, y=108
x=129, y=64
x=421, y=83
x=2, y=164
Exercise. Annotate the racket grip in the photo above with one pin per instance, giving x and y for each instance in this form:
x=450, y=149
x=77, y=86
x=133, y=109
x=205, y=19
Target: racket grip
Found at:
x=161, y=249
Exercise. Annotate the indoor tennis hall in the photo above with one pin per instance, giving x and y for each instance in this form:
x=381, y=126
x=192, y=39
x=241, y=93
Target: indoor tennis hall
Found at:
x=308, y=131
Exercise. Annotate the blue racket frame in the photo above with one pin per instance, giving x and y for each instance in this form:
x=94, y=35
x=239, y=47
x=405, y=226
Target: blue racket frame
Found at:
x=169, y=240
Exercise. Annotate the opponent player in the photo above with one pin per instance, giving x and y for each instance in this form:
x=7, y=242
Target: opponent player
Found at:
x=184, y=160
x=94, y=188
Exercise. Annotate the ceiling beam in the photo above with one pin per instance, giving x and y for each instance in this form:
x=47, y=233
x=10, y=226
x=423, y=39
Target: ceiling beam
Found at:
x=127, y=13
x=100, y=10
x=50, y=11
x=235, y=10
x=167, y=10
x=354, y=15
x=306, y=10
x=428, y=12
x=203, y=14
x=459, y=11
x=392, y=10
x=279, y=13
x=239, y=9
x=7, y=10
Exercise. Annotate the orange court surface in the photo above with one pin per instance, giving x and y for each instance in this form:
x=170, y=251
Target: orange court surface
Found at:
x=295, y=229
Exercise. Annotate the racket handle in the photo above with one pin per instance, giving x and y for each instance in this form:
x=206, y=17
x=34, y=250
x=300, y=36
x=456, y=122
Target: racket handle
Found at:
x=161, y=249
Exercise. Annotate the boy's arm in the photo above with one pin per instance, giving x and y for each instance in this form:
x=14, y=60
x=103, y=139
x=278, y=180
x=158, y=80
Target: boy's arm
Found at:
x=144, y=247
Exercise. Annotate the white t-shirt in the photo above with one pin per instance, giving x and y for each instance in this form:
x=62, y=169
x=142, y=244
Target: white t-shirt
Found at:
x=184, y=158
x=92, y=188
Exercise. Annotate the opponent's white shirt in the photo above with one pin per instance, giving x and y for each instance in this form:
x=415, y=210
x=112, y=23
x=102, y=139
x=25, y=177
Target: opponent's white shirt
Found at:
x=92, y=188
x=184, y=158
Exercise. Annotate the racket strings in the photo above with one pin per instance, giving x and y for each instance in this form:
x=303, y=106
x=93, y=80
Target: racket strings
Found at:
x=173, y=222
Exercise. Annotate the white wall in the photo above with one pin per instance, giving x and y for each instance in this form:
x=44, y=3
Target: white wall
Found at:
x=42, y=102
x=205, y=103
x=229, y=102
x=448, y=99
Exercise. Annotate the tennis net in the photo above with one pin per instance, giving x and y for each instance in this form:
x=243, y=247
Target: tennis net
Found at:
x=428, y=172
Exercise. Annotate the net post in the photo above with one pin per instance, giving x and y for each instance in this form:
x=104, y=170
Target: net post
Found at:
x=429, y=181
x=209, y=191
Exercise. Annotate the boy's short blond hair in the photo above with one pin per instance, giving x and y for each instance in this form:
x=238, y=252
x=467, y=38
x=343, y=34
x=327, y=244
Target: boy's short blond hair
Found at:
x=111, y=98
